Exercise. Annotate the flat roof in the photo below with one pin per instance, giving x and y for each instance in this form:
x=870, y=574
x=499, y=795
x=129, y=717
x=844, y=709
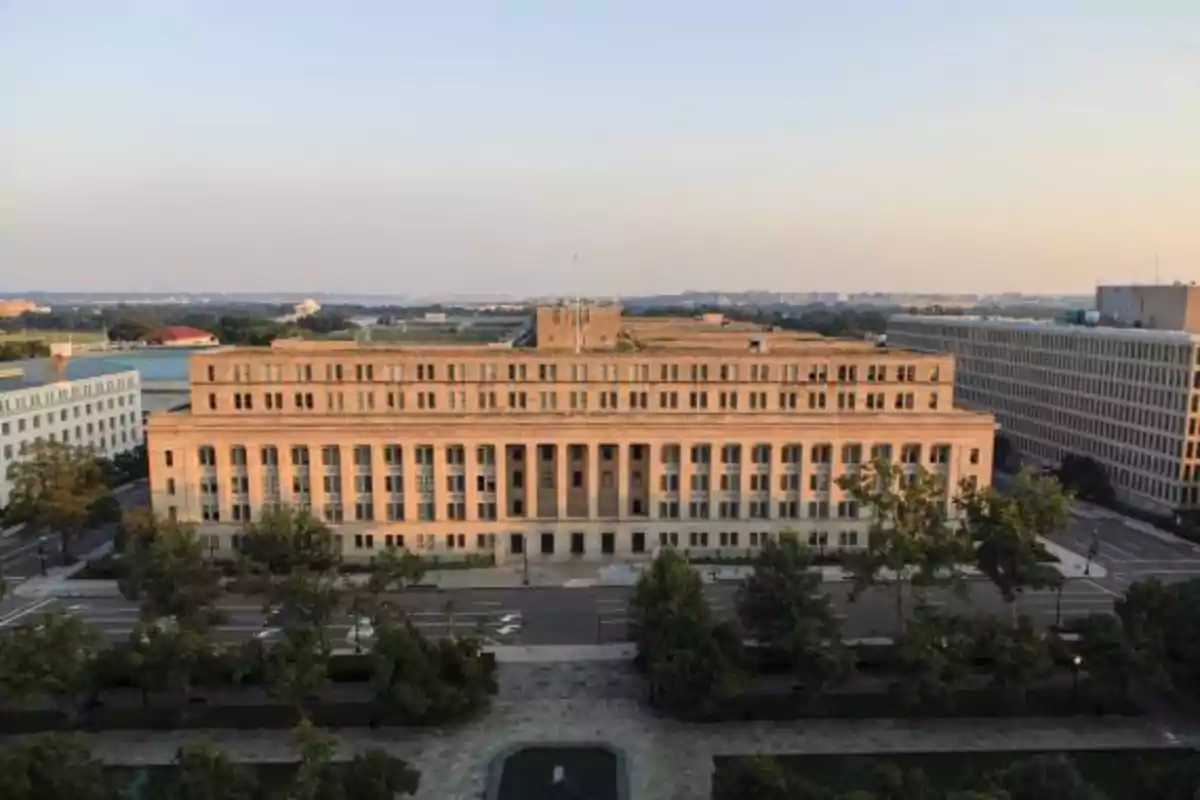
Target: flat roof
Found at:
x=35, y=372
x=1154, y=335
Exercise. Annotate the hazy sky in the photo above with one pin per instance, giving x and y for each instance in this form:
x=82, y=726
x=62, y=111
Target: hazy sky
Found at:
x=418, y=147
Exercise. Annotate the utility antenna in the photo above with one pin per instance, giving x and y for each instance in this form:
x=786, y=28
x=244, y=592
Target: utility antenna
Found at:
x=1156, y=280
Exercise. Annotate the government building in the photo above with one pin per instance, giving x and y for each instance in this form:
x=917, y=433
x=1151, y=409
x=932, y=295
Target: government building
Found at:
x=66, y=400
x=1120, y=385
x=589, y=435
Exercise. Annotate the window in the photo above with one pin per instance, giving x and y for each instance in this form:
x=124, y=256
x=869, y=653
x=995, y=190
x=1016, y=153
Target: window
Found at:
x=169, y=457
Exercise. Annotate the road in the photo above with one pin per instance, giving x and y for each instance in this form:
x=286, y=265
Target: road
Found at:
x=578, y=616
x=1128, y=551
x=18, y=553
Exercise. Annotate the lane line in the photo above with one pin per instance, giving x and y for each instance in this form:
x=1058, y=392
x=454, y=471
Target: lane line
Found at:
x=16, y=615
x=1104, y=589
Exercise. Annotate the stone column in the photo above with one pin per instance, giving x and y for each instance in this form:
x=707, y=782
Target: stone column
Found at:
x=563, y=478
x=591, y=481
x=654, y=473
x=623, y=474
x=379, y=492
x=472, y=469
x=502, y=482
x=686, y=470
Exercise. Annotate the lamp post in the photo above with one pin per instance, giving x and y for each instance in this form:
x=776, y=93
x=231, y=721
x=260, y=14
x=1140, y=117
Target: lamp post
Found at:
x=1093, y=551
x=1076, y=662
x=1058, y=604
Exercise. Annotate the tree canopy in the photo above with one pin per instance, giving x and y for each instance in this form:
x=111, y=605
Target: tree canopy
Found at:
x=54, y=489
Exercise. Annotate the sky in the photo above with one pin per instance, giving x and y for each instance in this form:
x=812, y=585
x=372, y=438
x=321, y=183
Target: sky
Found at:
x=600, y=148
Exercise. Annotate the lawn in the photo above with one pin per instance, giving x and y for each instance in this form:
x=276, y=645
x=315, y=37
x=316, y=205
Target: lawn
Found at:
x=52, y=337
x=1117, y=772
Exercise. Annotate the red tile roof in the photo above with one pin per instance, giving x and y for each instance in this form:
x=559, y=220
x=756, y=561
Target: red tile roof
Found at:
x=175, y=333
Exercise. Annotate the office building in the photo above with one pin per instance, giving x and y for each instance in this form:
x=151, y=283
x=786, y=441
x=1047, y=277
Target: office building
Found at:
x=1127, y=397
x=595, y=436
x=41, y=400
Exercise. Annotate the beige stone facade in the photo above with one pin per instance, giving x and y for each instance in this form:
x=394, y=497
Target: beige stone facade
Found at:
x=592, y=444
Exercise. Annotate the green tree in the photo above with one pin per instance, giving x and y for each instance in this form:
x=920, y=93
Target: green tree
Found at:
x=417, y=680
x=375, y=775
x=761, y=778
x=893, y=782
x=395, y=569
x=297, y=667
x=910, y=539
x=1045, y=777
x=286, y=540
x=932, y=660
x=1086, y=478
x=782, y=606
x=53, y=656
x=54, y=487
x=1163, y=623
x=178, y=591
x=693, y=664
x=202, y=772
x=315, y=777
x=1018, y=656
x=52, y=765
x=1107, y=654
x=1004, y=528
x=1178, y=779
x=167, y=573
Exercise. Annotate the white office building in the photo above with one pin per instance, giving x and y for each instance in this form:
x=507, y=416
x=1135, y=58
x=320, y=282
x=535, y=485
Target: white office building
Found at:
x=1127, y=397
x=40, y=400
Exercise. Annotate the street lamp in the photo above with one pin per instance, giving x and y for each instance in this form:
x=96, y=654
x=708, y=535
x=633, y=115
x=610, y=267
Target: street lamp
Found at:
x=1058, y=604
x=1076, y=662
x=1093, y=551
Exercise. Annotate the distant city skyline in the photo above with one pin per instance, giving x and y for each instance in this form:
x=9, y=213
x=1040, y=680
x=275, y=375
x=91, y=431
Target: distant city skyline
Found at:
x=404, y=150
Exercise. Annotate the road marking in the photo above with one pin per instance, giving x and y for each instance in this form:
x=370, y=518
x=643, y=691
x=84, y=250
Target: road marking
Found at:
x=1106, y=545
x=1104, y=589
x=462, y=613
x=612, y=602
x=16, y=615
x=617, y=621
x=485, y=602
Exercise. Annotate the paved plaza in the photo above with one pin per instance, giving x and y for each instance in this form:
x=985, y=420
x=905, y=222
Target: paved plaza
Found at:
x=597, y=701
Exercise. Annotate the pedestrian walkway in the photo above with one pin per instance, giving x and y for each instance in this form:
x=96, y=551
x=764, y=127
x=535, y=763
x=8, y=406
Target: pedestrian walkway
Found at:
x=667, y=760
x=56, y=583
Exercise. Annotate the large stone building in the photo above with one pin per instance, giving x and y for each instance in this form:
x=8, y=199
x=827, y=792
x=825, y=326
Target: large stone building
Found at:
x=42, y=399
x=598, y=436
x=1127, y=397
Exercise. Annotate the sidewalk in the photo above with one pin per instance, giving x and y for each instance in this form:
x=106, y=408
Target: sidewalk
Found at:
x=55, y=582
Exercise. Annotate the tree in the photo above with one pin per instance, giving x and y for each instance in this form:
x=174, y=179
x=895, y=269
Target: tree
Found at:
x=314, y=779
x=1018, y=656
x=892, y=782
x=693, y=664
x=202, y=772
x=910, y=539
x=1004, y=528
x=287, y=540
x=416, y=680
x=54, y=487
x=52, y=765
x=1107, y=653
x=297, y=666
x=783, y=607
x=932, y=660
x=1163, y=622
x=375, y=775
x=167, y=571
x=178, y=591
x=395, y=570
x=761, y=778
x=1086, y=478
x=53, y=656
x=1044, y=777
